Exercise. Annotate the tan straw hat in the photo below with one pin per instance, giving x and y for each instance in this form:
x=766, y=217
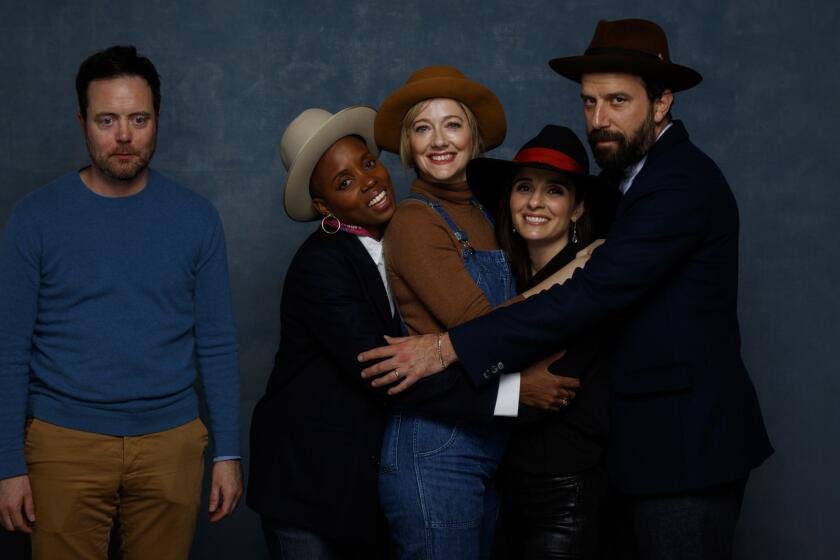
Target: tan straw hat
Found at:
x=305, y=141
x=447, y=82
x=634, y=46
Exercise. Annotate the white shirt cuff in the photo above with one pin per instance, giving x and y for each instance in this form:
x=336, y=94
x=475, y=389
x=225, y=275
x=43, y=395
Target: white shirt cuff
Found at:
x=507, y=399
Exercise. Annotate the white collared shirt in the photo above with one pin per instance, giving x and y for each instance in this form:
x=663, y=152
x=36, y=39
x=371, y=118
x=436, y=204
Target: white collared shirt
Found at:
x=374, y=249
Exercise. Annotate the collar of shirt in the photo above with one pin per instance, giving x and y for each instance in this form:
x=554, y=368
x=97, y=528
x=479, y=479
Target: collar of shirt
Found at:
x=374, y=249
x=631, y=172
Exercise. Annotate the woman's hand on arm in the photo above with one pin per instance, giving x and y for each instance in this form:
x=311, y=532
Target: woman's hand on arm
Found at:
x=541, y=389
x=566, y=272
x=587, y=251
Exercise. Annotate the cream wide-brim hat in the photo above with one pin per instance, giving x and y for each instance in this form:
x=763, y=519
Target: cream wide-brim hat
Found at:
x=305, y=141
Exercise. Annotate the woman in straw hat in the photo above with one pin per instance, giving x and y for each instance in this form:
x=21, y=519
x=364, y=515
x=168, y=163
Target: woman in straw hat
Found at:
x=317, y=432
x=551, y=479
x=445, y=267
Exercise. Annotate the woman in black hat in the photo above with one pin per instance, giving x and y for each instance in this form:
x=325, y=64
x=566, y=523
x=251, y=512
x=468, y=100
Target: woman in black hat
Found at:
x=551, y=480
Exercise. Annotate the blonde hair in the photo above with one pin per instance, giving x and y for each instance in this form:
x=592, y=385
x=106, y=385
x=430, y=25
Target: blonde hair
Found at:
x=407, y=158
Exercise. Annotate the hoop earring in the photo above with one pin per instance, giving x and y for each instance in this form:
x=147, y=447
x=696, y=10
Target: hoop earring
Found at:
x=330, y=217
x=574, y=233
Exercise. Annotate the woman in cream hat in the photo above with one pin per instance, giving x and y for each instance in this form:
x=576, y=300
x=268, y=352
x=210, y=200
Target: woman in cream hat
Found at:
x=316, y=429
x=445, y=267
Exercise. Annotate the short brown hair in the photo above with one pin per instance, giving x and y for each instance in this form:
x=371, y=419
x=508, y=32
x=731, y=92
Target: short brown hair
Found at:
x=407, y=158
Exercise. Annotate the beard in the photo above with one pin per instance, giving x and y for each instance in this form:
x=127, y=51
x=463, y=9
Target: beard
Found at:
x=121, y=170
x=628, y=150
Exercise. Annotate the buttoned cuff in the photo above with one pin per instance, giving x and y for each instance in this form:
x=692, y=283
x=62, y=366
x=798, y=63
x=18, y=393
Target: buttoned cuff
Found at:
x=507, y=398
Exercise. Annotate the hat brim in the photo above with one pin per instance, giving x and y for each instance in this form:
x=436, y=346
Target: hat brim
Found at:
x=676, y=76
x=357, y=120
x=482, y=102
x=490, y=180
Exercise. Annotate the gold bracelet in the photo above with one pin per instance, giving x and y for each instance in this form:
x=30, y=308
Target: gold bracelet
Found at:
x=440, y=351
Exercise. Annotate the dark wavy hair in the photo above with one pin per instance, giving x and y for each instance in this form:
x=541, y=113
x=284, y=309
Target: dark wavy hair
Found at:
x=516, y=248
x=114, y=62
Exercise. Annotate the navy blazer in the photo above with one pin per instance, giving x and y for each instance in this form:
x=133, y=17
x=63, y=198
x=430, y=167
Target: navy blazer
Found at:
x=684, y=413
x=316, y=434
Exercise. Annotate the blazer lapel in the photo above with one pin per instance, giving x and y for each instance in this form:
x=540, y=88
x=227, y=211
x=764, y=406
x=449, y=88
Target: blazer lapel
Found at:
x=369, y=277
x=674, y=135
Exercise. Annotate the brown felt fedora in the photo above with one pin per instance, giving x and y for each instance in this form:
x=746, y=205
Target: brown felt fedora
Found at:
x=633, y=46
x=440, y=81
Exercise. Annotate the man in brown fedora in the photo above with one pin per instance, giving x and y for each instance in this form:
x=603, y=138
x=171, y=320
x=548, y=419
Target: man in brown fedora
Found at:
x=686, y=428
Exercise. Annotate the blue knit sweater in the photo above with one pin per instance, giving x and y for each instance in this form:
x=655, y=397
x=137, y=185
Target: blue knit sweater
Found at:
x=108, y=307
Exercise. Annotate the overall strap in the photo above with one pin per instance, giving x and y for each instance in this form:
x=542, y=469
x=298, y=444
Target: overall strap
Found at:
x=474, y=201
x=460, y=235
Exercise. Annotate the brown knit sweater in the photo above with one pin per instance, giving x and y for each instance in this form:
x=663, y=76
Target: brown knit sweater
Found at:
x=432, y=287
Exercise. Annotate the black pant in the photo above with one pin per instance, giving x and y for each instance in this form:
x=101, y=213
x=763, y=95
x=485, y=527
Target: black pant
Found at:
x=695, y=525
x=286, y=542
x=551, y=516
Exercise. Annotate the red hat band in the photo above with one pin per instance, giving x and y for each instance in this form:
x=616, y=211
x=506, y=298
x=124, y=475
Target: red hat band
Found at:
x=547, y=156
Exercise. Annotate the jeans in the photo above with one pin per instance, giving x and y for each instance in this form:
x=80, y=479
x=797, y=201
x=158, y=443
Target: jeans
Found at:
x=437, y=486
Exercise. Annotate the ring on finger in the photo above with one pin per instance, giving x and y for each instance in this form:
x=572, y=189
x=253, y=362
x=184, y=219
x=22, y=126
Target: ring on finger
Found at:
x=396, y=374
x=564, y=402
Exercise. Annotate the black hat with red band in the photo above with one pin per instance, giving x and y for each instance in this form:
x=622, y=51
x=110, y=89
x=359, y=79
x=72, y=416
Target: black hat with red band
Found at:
x=555, y=148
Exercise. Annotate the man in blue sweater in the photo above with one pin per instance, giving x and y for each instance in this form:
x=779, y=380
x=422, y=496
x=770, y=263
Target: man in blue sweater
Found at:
x=113, y=294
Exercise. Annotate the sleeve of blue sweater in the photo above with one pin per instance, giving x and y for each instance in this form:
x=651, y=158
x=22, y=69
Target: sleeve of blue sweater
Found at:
x=216, y=344
x=19, y=279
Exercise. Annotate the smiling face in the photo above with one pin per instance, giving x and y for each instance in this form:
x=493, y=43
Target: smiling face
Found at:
x=120, y=131
x=542, y=207
x=621, y=122
x=441, y=142
x=350, y=183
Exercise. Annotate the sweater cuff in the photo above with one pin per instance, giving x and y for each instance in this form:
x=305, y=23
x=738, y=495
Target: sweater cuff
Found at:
x=13, y=464
x=226, y=444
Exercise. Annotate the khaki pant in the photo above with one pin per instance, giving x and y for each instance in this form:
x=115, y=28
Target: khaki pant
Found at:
x=81, y=481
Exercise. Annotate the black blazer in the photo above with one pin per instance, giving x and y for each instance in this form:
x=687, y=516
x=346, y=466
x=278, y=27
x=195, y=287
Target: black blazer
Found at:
x=684, y=413
x=317, y=432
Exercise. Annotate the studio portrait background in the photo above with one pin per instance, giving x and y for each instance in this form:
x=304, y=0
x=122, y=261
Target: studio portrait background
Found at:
x=235, y=74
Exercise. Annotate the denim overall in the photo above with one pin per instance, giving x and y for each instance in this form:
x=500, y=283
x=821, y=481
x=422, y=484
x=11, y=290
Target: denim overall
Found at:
x=437, y=479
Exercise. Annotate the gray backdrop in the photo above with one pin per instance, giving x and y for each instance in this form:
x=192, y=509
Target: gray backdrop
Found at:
x=234, y=76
